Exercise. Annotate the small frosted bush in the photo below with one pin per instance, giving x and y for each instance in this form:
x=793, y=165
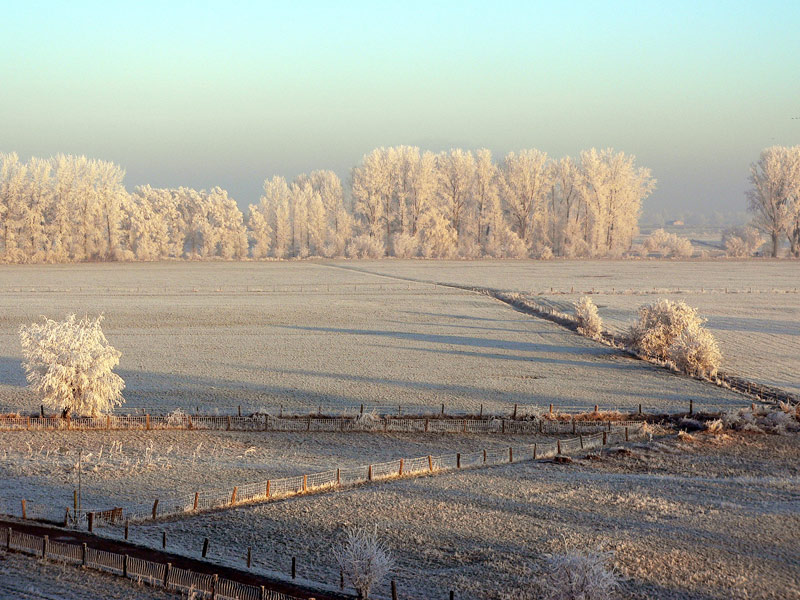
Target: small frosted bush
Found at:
x=741, y=242
x=405, y=245
x=695, y=351
x=589, y=322
x=578, y=575
x=365, y=246
x=363, y=559
x=659, y=325
x=668, y=244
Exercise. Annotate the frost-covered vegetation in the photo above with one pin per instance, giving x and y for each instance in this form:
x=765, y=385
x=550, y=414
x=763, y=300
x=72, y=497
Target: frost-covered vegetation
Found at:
x=775, y=196
x=363, y=558
x=70, y=363
x=403, y=202
x=741, y=242
x=589, y=322
x=673, y=331
x=668, y=244
x=578, y=575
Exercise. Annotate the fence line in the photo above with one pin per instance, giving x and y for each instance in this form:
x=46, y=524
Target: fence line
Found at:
x=153, y=573
x=285, y=487
x=265, y=422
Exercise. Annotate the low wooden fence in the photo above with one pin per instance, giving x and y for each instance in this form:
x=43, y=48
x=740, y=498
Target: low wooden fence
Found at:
x=262, y=422
x=152, y=573
x=274, y=489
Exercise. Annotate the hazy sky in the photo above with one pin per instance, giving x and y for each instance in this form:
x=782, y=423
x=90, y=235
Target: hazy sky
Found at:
x=223, y=93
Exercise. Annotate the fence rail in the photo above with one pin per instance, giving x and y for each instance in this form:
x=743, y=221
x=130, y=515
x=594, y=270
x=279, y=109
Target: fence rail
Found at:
x=274, y=489
x=155, y=574
x=265, y=422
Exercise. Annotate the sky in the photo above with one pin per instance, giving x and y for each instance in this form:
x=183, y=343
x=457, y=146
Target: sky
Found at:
x=230, y=93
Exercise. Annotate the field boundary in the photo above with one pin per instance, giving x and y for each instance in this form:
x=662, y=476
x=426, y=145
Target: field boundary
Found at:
x=329, y=480
x=131, y=565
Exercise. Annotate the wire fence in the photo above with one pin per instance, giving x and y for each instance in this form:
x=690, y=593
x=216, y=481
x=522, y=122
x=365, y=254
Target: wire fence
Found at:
x=587, y=436
x=368, y=422
x=156, y=574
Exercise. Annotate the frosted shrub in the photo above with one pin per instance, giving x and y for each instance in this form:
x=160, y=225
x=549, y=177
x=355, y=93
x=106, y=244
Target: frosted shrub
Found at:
x=70, y=363
x=659, y=325
x=365, y=246
x=668, y=244
x=674, y=332
x=589, y=322
x=405, y=245
x=363, y=559
x=695, y=351
x=578, y=575
x=741, y=242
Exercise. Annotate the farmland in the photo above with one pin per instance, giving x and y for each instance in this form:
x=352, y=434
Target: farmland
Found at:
x=329, y=337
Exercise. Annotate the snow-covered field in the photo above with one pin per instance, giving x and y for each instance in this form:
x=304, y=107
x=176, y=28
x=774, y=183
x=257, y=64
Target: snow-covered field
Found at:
x=328, y=335
x=123, y=468
x=715, y=518
x=27, y=578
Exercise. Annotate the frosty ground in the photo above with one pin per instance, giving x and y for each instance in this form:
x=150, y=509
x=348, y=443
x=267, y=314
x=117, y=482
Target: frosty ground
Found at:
x=712, y=519
x=216, y=336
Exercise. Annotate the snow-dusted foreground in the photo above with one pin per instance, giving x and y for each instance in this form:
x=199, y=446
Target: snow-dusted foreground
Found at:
x=27, y=578
x=713, y=518
x=325, y=335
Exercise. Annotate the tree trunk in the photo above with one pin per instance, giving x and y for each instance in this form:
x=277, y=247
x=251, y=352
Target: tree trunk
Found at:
x=774, y=244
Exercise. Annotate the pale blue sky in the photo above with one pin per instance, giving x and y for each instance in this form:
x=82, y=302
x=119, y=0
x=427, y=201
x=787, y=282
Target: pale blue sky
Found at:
x=222, y=93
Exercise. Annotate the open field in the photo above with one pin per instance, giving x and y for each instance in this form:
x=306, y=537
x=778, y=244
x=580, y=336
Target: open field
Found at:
x=715, y=518
x=26, y=578
x=711, y=519
x=325, y=336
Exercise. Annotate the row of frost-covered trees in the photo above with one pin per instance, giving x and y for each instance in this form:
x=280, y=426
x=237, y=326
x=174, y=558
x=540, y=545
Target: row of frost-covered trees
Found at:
x=401, y=201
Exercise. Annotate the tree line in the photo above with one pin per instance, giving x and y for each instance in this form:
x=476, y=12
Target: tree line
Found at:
x=401, y=201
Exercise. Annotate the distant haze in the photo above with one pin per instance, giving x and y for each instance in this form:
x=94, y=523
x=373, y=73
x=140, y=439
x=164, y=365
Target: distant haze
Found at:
x=230, y=93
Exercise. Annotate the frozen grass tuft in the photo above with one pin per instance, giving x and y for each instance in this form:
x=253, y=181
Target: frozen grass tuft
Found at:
x=579, y=575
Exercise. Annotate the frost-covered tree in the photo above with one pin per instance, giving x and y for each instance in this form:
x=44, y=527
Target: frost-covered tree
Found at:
x=260, y=233
x=741, y=242
x=372, y=193
x=775, y=195
x=456, y=170
x=612, y=189
x=70, y=364
x=526, y=181
x=668, y=244
x=363, y=559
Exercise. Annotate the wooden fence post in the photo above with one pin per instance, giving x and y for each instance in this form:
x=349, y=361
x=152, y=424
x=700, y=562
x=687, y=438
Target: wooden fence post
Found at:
x=426, y=425
x=369, y=473
x=263, y=593
x=84, y=554
x=558, y=445
x=24, y=512
x=458, y=460
x=691, y=406
x=205, y=547
x=442, y=408
x=108, y=421
x=341, y=579
x=240, y=410
x=214, y=582
x=464, y=429
x=430, y=463
x=155, y=509
x=510, y=454
x=294, y=567
x=400, y=474
x=45, y=543
x=229, y=423
x=394, y=590
x=126, y=529
x=573, y=424
x=269, y=482
x=484, y=455
x=515, y=412
x=147, y=422
x=581, y=438
x=163, y=539
x=90, y=518
x=305, y=483
x=551, y=409
x=338, y=476
x=167, y=569
x=28, y=423
x=236, y=489
x=249, y=555
x=626, y=434
x=125, y=566
x=66, y=518
x=534, y=451
x=503, y=421
x=604, y=439
x=196, y=501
